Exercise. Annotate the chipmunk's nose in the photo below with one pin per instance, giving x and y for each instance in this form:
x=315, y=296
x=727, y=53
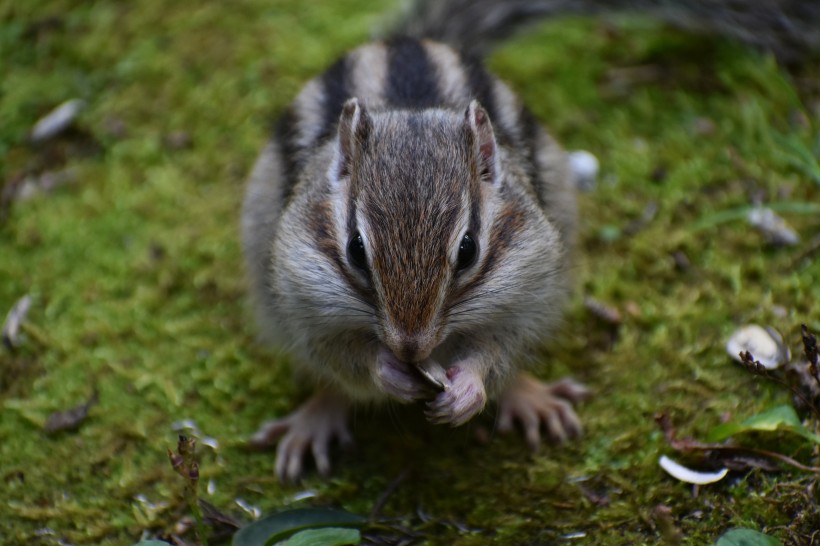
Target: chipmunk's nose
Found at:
x=410, y=347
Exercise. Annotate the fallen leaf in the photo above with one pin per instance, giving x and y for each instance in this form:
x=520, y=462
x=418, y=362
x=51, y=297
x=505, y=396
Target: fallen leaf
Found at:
x=70, y=419
x=746, y=537
x=602, y=311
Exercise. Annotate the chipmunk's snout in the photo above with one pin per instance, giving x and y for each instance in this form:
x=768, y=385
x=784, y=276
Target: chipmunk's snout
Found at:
x=410, y=346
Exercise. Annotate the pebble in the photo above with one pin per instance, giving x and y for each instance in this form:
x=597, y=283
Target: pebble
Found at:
x=585, y=167
x=775, y=228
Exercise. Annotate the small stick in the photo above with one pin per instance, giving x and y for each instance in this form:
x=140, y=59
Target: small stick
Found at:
x=755, y=367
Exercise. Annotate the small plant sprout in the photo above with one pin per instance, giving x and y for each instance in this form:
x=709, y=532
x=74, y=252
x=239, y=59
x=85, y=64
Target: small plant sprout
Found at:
x=184, y=463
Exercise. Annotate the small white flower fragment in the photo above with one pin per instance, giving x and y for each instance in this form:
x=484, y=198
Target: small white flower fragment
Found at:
x=574, y=536
x=775, y=228
x=150, y=507
x=585, y=167
x=304, y=495
x=213, y=443
x=56, y=121
x=185, y=424
x=680, y=472
x=253, y=511
x=765, y=344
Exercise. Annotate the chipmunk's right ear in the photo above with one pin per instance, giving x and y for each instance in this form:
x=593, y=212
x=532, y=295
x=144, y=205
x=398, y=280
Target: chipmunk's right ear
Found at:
x=354, y=128
x=478, y=125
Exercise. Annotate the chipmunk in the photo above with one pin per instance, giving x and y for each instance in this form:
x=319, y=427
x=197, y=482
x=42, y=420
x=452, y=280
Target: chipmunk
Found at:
x=408, y=233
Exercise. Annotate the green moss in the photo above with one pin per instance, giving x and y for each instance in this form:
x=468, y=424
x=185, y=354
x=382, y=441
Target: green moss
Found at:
x=136, y=273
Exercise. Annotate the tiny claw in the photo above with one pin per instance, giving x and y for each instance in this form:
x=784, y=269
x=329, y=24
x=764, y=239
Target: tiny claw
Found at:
x=269, y=433
x=570, y=390
x=321, y=456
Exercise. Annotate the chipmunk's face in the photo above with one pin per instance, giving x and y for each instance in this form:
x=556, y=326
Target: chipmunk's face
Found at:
x=414, y=188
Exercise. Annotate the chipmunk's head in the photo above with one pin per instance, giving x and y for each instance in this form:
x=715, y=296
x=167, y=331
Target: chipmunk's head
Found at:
x=419, y=192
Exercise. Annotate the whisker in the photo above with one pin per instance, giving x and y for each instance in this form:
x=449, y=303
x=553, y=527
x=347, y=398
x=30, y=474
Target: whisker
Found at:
x=507, y=286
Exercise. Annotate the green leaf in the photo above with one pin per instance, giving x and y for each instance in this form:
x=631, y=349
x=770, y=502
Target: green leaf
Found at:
x=799, y=155
x=328, y=536
x=746, y=537
x=278, y=527
x=152, y=543
x=779, y=418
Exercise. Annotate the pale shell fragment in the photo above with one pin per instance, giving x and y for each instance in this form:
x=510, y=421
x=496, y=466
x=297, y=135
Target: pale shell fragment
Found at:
x=680, y=472
x=433, y=372
x=765, y=344
x=56, y=121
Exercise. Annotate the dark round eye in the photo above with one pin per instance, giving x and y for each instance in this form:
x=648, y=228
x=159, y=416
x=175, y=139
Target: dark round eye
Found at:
x=467, y=251
x=356, y=253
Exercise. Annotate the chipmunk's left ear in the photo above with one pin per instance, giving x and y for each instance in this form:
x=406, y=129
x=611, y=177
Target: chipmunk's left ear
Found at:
x=485, y=148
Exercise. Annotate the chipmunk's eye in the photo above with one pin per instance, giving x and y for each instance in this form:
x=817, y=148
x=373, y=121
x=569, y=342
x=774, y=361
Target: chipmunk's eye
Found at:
x=467, y=251
x=355, y=252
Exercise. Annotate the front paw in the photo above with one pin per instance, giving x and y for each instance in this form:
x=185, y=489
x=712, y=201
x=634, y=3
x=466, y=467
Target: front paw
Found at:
x=536, y=405
x=463, y=398
x=399, y=379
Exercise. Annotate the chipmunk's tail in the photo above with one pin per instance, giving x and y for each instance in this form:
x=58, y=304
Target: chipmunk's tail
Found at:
x=788, y=28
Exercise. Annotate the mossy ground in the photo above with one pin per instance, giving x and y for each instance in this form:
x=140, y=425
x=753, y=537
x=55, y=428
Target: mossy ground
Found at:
x=136, y=273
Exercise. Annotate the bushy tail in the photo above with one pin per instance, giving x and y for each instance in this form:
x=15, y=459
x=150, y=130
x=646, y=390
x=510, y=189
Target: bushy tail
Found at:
x=788, y=28
x=473, y=26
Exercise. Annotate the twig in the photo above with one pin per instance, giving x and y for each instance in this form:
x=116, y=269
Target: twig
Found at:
x=378, y=506
x=756, y=368
x=689, y=444
x=810, y=348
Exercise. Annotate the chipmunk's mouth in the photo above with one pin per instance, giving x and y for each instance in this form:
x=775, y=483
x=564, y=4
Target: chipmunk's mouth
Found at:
x=405, y=379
